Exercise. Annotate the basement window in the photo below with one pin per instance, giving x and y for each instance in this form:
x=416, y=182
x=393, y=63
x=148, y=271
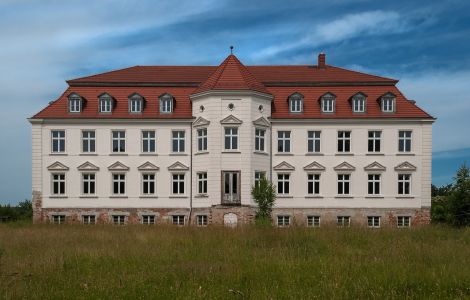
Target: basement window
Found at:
x=58, y=219
x=373, y=222
x=403, y=221
x=313, y=221
x=178, y=220
x=202, y=220
x=148, y=219
x=283, y=221
x=88, y=219
x=119, y=219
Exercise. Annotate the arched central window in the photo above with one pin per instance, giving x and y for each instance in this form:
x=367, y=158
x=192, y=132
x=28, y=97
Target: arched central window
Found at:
x=166, y=103
x=296, y=103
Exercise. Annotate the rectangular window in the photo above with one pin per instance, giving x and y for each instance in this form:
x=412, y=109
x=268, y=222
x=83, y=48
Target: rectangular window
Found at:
x=148, y=219
x=202, y=183
x=202, y=139
x=283, y=184
x=313, y=184
x=374, y=141
x=178, y=184
x=404, y=141
x=119, y=219
x=258, y=176
x=313, y=141
x=202, y=220
x=283, y=141
x=88, y=141
x=177, y=137
x=359, y=105
x=58, y=141
x=119, y=184
x=343, y=221
x=373, y=222
x=105, y=105
x=231, y=138
x=259, y=139
x=58, y=219
x=135, y=106
x=296, y=105
x=178, y=220
x=388, y=105
x=344, y=141
x=403, y=221
x=88, y=184
x=58, y=184
x=373, y=184
x=283, y=221
x=148, y=141
x=89, y=219
x=313, y=221
x=344, y=181
x=166, y=104
x=148, y=184
x=119, y=141
x=75, y=104
x=404, y=184
x=328, y=105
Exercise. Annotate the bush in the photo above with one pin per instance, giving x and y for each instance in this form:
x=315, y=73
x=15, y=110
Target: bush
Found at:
x=264, y=194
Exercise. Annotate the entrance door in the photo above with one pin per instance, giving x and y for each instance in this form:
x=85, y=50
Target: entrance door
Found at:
x=231, y=187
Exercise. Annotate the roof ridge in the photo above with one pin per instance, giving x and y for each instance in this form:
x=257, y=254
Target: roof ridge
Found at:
x=102, y=73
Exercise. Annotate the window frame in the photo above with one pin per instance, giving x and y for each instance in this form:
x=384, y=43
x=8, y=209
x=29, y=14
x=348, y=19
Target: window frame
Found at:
x=119, y=139
x=374, y=221
x=374, y=185
x=296, y=103
x=356, y=100
x=153, y=181
x=284, y=141
x=119, y=181
x=314, y=141
x=313, y=221
x=72, y=101
x=148, y=219
x=88, y=182
x=202, y=183
x=61, y=190
x=58, y=219
x=405, y=139
x=316, y=183
x=343, y=221
x=202, y=220
x=147, y=141
x=328, y=100
x=179, y=181
x=258, y=176
x=260, y=139
x=121, y=219
x=86, y=219
x=136, y=101
x=282, y=183
x=103, y=100
x=180, y=141
x=166, y=102
x=232, y=138
x=404, y=224
x=403, y=183
x=374, y=141
x=281, y=221
x=388, y=104
x=61, y=141
x=344, y=141
x=178, y=218
x=88, y=140
x=343, y=181
x=202, y=139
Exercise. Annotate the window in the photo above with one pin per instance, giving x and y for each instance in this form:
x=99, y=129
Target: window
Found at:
x=88, y=184
x=283, y=221
x=296, y=103
x=259, y=139
x=343, y=221
x=178, y=184
x=373, y=184
x=283, y=184
x=283, y=141
x=202, y=139
x=58, y=141
x=177, y=141
x=258, y=176
x=404, y=141
x=148, y=184
x=388, y=104
x=373, y=222
x=58, y=219
x=89, y=219
x=202, y=220
x=328, y=103
x=231, y=138
x=119, y=219
x=374, y=141
x=119, y=184
x=106, y=105
x=313, y=221
x=344, y=181
x=313, y=141
x=344, y=141
x=313, y=184
x=135, y=104
x=359, y=104
x=119, y=141
x=148, y=219
x=148, y=141
x=166, y=104
x=75, y=103
x=403, y=221
x=178, y=220
x=58, y=184
x=404, y=184
x=88, y=141
x=202, y=183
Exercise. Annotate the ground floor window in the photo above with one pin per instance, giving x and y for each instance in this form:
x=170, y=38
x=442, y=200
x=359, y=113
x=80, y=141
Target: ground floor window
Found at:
x=148, y=184
x=88, y=219
x=58, y=219
x=178, y=220
x=148, y=219
x=58, y=184
x=88, y=184
x=119, y=184
x=119, y=219
x=283, y=221
x=403, y=221
x=283, y=184
x=178, y=184
x=202, y=220
x=202, y=183
x=343, y=221
x=313, y=184
x=313, y=221
x=373, y=222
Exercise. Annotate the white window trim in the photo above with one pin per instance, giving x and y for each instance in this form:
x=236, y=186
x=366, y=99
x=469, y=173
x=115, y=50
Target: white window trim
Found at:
x=201, y=224
x=64, y=141
x=112, y=184
x=374, y=139
x=313, y=221
x=292, y=106
x=74, y=98
x=184, y=184
x=284, y=218
x=231, y=135
x=178, y=138
x=403, y=181
x=163, y=104
x=405, y=139
x=202, y=138
x=404, y=226
x=288, y=181
x=142, y=174
x=338, y=139
x=88, y=139
x=118, y=139
x=102, y=99
x=333, y=105
x=393, y=100
x=140, y=104
x=149, y=216
x=82, y=187
x=284, y=140
x=343, y=218
x=319, y=183
x=64, y=194
x=144, y=140
x=261, y=138
x=198, y=180
x=374, y=181
x=373, y=222
x=344, y=181
x=313, y=139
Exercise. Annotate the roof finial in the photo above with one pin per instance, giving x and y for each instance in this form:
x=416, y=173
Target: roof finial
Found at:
x=231, y=50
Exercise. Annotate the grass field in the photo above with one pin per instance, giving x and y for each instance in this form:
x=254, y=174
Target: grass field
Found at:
x=46, y=261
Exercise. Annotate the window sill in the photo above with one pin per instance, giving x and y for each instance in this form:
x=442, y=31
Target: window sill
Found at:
x=148, y=196
x=201, y=152
x=179, y=154
x=148, y=154
x=313, y=197
x=261, y=153
x=285, y=196
x=374, y=197
x=229, y=151
x=58, y=154
x=345, y=154
x=344, y=197
x=405, y=197
x=178, y=196
x=118, y=154
x=88, y=197
x=405, y=154
x=201, y=196
x=375, y=154
x=88, y=154
x=284, y=154
x=314, y=154
x=58, y=196
x=118, y=196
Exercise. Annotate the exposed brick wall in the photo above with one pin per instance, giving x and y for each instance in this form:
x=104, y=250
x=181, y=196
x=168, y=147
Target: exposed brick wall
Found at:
x=37, y=207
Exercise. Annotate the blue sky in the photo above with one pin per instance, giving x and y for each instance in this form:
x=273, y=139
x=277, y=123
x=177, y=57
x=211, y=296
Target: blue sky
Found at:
x=424, y=44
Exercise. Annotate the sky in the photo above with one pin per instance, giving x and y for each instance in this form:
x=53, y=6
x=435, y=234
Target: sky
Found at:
x=424, y=44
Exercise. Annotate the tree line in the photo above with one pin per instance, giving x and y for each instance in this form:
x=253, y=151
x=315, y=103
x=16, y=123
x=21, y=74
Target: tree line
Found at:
x=23, y=211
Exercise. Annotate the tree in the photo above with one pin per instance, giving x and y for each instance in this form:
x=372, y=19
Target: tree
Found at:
x=264, y=194
x=459, y=200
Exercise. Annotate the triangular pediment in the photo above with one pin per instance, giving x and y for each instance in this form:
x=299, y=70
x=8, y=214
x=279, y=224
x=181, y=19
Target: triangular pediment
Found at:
x=231, y=120
x=284, y=166
x=405, y=166
x=118, y=166
x=178, y=166
x=375, y=166
x=57, y=166
x=148, y=166
x=262, y=122
x=314, y=166
x=88, y=166
x=201, y=122
x=344, y=166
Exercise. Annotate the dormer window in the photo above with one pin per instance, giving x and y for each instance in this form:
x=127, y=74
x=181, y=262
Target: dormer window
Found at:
x=359, y=103
x=106, y=103
x=296, y=103
x=388, y=103
x=328, y=103
x=135, y=103
x=75, y=103
x=166, y=103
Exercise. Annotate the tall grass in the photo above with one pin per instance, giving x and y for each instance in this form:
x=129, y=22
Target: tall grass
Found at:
x=46, y=261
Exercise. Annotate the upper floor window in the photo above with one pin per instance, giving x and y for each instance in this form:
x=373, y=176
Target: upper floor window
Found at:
x=148, y=141
x=202, y=183
x=106, y=103
x=388, y=103
x=313, y=141
x=259, y=139
x=119, y=184
x=328, y=103
x=404, y=184
x=373, y=143
x=119, y=140
x=166, y=103
x=296, y=102
x=58, y=184
x=177, y=138
x=58, y=141
x=75, y=103
x=344, y=182
x=177, y=184
x=373, y=184
x=202, y=139
x=88, y=183
x=359, y=103
x=283, y=141
x=344, y=141
x=258, y=176
x=135, y=103
x=148, y=184
x=88, y=141
x=404, y=141
x=283, y=184
x=313, y=184
x=231, y=138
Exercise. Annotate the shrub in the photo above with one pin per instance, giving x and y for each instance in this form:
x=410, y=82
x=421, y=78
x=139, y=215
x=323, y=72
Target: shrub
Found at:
x=264, y=194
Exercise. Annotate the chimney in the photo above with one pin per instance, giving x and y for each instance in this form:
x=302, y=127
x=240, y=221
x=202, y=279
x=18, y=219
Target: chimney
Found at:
x=322, y=60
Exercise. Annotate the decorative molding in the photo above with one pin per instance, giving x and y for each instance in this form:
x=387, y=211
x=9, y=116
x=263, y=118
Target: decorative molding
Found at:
x=231, y=120
x=375, y=166
x=262, y=122
x=148, y=166
x=88, y=166
x=405, y=166
x=118, y=166
x=314, y=166
x=201, y=122
x=284, y=166
x=344, y=166
x=57, y=166
x=178, y=166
